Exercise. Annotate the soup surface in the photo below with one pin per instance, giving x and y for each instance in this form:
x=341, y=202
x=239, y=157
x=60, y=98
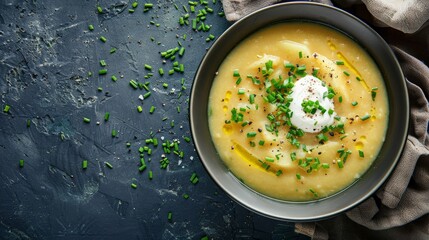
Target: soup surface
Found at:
x=298, y=111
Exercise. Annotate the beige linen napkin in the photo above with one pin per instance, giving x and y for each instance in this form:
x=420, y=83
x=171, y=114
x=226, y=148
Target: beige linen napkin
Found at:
x=404, y=15
x=400, y=208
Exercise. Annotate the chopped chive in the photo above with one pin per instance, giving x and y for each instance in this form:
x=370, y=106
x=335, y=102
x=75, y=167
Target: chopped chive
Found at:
x=339, y=62
x=99, y=9
x=313, y=192
x=194, y=178
x=150, y=175
x=236, y=73
x=102, y=71
x=185, y=196
x=300, y=54
x=340, y=99
x=178, y=109
x=103, y=39
x=325, y=165
x=134, y=4
x=6, y=108
x=298, y=176
x=114, y=133
x=358, y=78
x=170, y=216
x=108, y=165
x=148, y=67
x=114, y=78
x=252, y=98
x=361, y=154
x=152, y=109
x=161, y=71
x=133, y=185
x=148, y=5
x=241, y=91
x=134, y=84
x=238, y=81
x=139, y=109
x=354, y=103
x=340, y=163
x=165, y=85
x=112, y=50
x=251, y=134
x=21, y=163
x=181, y=51
x=106, y=116
x=84, y=164
x=28, y=123
x=346, y=73
x=146, y=95
x=103, y=63
x=86, y=120
x=366, y=117
x=91, y=27
x=261, y=142
x=269, y=159
x=279, y=172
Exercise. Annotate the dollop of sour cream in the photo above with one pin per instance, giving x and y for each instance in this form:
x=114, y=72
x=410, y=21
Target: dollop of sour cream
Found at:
x=313, y=89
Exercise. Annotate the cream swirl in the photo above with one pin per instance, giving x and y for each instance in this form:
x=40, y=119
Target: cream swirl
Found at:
x=311, y=91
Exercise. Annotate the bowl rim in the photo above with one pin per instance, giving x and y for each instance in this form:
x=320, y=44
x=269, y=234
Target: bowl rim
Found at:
x=220, y=179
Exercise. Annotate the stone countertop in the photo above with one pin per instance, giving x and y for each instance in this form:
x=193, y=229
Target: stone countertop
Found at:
x=49, y=76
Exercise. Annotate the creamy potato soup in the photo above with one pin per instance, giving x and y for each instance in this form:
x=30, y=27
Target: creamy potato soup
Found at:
x=298, y=111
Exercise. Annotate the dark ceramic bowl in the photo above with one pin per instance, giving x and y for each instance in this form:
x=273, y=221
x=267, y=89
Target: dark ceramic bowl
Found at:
x=398, y=115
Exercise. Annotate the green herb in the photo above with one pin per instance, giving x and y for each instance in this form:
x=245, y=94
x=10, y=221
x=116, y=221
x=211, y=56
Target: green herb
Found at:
x=134, y=4
x=185, y=196
x=148, y=67
x=133, y=185
x=170, y=216
x=91, y=27
x=28, y=123
x=346, y=73
x=361, y=154
x=194, y=178
x=84, y=164
x=134, y=84
x=108, y=165
x=112, y=50
x=114, y=133
x=325, y=165
x=99, y=9
x=366, y=117
x=241, y=91
x=340, y=99
x=313, y=192
x=102, y=71
x=279, y=172
x=374, y=93
x=86, y=120
x=251, y=134
x=300, y=54
x=298, y=176
x=269, y=159
x=114, y=78
x=161, y=71
x=139, y=109
x=21, y=163
x=106, y=116
x=152, y=109
x=150, y=175
x=354, y=103
x=339, y=62
x=6, y=108
x=103, y=39
x=146, y=95
x=340, y=163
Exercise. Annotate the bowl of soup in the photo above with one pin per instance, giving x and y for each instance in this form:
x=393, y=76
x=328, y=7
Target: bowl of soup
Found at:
x=299, y=111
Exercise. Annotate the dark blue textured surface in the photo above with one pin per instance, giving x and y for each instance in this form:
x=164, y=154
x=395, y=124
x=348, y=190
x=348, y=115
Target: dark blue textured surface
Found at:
x=46, y=52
